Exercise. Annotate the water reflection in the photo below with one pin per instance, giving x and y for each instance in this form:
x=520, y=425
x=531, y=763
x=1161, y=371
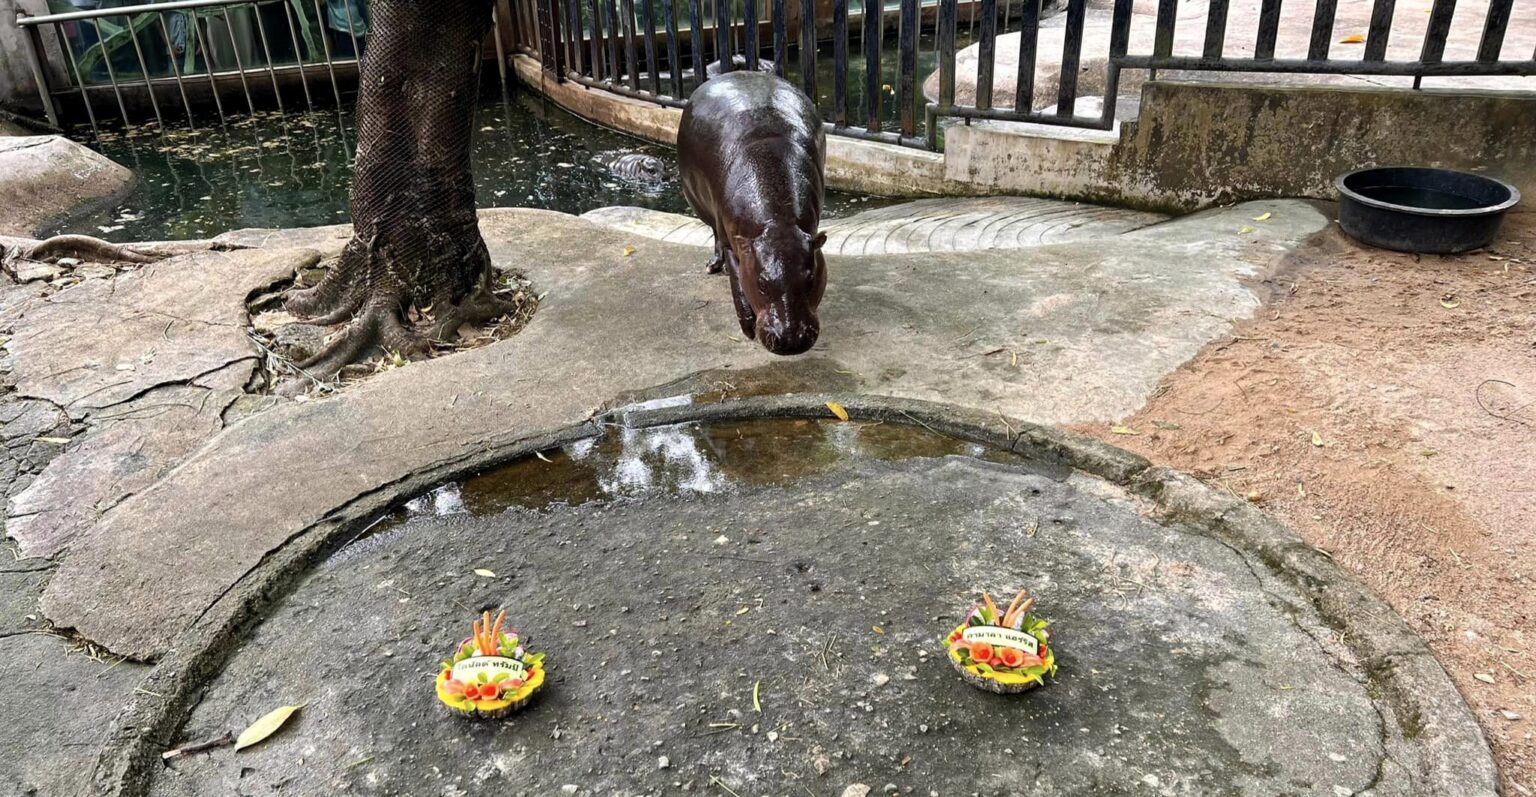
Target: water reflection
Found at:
x=685, y=458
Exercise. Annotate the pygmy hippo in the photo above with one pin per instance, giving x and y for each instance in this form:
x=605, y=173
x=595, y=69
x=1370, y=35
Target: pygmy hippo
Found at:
x=751, y=155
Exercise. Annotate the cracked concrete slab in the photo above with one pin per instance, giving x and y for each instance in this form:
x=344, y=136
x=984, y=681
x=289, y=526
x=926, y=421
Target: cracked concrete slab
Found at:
x=1054, y=334
x=782, y=638
x=103, y=341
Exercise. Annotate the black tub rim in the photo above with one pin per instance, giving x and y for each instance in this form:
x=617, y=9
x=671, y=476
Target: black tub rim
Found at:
x=1341, y=184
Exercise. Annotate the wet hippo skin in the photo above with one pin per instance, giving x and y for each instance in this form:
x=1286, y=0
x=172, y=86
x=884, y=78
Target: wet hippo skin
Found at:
x=751, y=154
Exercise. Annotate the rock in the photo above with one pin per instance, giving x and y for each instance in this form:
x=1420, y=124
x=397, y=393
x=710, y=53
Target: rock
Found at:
x=45, y=177
x=856, y=790
x=881, y=679
x=569, y=788
x=662, y=762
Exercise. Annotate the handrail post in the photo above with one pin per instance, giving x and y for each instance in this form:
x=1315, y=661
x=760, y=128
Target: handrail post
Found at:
x=35, y=61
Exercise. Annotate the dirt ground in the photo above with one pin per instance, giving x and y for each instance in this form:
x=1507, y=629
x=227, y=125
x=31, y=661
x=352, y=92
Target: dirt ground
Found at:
x=1384, y=405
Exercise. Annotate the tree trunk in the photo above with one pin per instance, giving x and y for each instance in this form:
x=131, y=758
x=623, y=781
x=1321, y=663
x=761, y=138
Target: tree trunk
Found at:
x=415, y=244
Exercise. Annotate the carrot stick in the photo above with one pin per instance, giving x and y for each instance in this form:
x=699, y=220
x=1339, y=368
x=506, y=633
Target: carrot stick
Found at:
x=1008, y=615
x=501, y=617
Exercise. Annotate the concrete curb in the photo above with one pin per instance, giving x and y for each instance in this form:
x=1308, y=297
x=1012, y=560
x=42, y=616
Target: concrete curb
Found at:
x=1454, y=759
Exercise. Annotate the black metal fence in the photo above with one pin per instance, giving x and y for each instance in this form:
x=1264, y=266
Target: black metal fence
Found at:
x=659, y=50
x=887, y=70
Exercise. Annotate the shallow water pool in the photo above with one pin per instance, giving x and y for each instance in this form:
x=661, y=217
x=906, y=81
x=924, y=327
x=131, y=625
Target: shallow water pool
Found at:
x=275, y=170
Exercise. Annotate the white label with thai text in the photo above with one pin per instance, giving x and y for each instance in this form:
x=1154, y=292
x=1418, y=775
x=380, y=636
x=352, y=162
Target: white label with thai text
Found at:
x=1007, y=637
x=470, y=669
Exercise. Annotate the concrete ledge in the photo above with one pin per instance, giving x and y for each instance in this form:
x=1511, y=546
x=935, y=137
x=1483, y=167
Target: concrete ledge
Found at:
x=45, y=177
x=1453, y=757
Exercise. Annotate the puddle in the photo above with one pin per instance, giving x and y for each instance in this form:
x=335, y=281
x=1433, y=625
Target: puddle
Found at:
x=682, y=459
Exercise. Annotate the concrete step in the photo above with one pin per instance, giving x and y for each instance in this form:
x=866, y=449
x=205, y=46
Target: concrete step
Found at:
x=925, y=225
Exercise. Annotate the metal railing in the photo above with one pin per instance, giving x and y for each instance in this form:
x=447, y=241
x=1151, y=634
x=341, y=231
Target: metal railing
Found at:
x=658, y=49
x=196, y=53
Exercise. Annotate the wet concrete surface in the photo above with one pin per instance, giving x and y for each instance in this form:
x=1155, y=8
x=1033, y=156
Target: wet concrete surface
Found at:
x=670, y=573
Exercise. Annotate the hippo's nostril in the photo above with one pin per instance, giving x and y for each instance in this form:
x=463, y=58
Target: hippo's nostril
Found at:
x=789, y=341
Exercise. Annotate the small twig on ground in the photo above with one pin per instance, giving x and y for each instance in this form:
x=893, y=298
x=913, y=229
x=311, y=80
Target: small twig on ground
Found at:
x=1478, y=394
x=199, y=747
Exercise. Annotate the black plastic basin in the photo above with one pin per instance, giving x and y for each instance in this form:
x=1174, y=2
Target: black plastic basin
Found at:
x=1414, y=209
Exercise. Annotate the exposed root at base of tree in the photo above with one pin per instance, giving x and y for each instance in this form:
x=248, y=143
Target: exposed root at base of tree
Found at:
x=86, y=248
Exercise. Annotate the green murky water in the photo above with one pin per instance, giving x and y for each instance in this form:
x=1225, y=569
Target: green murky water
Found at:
x=293, y=170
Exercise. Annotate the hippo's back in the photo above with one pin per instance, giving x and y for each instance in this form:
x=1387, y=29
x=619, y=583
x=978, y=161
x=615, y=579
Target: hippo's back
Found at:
x=749, y=104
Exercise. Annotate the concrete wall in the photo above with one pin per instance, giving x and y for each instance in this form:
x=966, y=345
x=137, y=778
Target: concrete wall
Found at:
x=18, y=92
x=1195, y=144
x=1199, y=144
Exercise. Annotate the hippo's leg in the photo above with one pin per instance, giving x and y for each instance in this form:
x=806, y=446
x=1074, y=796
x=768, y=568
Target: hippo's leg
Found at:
x=717, y=263
x=744, y=314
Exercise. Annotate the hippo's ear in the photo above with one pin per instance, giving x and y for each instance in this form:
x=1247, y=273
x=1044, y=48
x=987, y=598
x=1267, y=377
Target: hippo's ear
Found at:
x=819, y=241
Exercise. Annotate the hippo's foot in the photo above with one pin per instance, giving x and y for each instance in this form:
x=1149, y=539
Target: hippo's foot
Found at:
x=715, y=265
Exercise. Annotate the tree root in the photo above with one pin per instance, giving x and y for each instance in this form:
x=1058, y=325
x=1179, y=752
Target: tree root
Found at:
x=480, y=306
x=85, y=248
x=379, y=327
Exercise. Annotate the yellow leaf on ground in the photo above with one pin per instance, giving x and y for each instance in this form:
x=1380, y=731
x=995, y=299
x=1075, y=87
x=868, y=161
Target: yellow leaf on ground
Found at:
x=1263, y=216
x=264, y=727
x=58, y=440
x=483, y=573
x=1317, y=440
x=757, y=705
x=1122, y=430
x=629, y=250
x=877, y=629
x=837, y=409
x=1353, y=38
x=743, y=610
x=1449, y=302
x=1245, y=230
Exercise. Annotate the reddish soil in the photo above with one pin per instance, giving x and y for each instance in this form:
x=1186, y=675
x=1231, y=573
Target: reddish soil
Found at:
x=1384, y=405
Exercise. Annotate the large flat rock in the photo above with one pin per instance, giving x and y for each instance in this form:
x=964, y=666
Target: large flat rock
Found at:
x=44, y=177
x=1055, y=334
x=1185, y=668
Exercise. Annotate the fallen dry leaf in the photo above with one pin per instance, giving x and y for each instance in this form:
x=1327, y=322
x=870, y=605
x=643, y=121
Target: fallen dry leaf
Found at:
x=1317, y=440
x=1353, y=38
x=628, y=250
x=1123, y=430
x=837, y=409
x=483, y=573
x=264, y=727
x=1449, y=301
x=1484, y=677
x=1245, y=230
x=1265, y=216
x=57, y=440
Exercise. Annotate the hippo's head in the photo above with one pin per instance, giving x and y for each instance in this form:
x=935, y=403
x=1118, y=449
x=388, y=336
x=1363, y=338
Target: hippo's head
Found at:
x=779, y=278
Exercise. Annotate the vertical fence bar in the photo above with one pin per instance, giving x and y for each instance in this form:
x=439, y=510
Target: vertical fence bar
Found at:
x=1119, y=43
x=674, y=59
x=202, y=44
x=350, y=6
x=907, y=68
x=986, y=60
x=575, y=52
x=1439, y=28
x=631, y=57
x=85, y=94
x=234, y=48
x=293, y=36
x=723, y=35
x=111, y=73
x=780, y=37
x=948, y=10
x=1215, y=28
x=1380, y=30
x=840, y=63
x=808, y=48
x=551, y=55
x=1269, y=30
x=1029, y=45
x=34, y=42
x=749, y=33
x=616, y=68
x=1322, y=30
x=873, y=16
x=1167, y=18
x=1493, y=30
x=696, y=40
x=170, y=49
x=1071, y=56
x=325, y=50
x=501, y=50
x=149, y=88
x=651, y=69
x=595, y=28
x=261, y=32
